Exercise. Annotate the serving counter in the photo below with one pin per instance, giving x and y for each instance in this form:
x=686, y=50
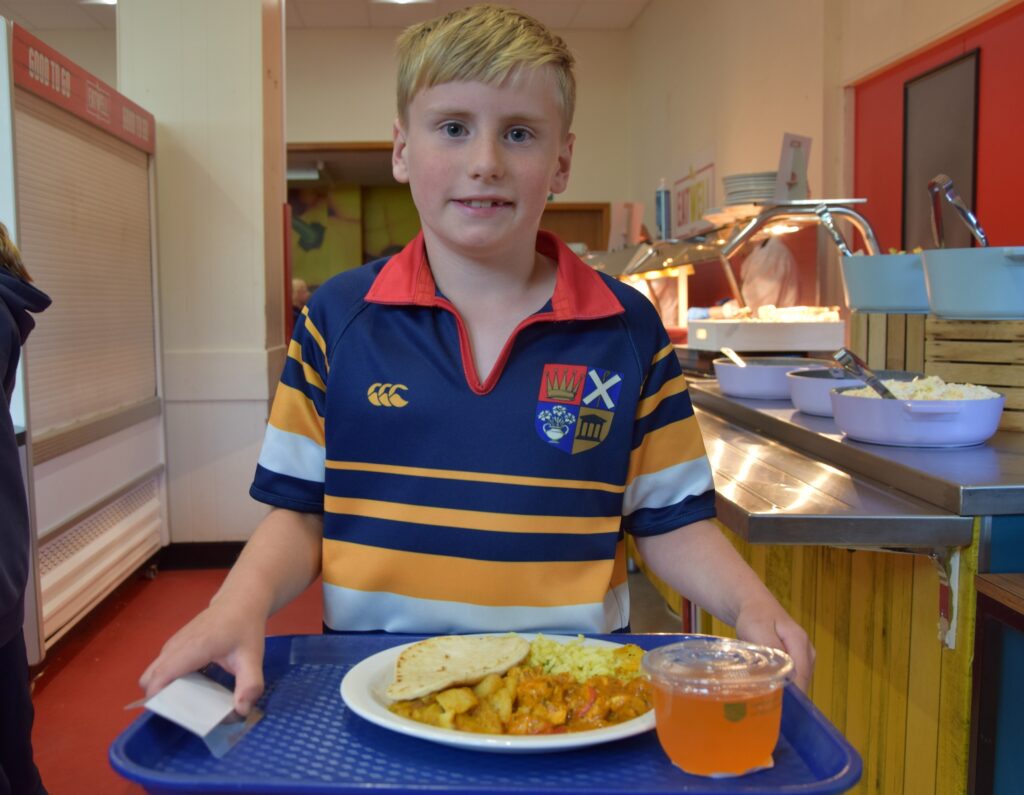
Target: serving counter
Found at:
x=983, y=480
x=874, y=550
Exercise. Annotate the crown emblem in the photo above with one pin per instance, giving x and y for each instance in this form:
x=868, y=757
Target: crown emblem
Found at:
x=562, y=385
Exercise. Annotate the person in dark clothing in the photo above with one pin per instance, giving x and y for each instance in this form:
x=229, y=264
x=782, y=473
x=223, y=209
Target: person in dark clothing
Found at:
x=18, y=772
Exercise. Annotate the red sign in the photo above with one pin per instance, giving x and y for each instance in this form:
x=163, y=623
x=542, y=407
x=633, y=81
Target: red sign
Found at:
x=46, y=73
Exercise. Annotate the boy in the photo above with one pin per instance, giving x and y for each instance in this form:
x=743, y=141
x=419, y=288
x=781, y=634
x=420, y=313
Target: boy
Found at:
x=463, y=432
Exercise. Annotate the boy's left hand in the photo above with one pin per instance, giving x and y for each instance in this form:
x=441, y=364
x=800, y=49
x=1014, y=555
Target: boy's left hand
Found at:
x=768, y=624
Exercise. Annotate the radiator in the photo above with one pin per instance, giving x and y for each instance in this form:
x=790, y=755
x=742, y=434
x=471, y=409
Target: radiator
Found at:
x=90, y=559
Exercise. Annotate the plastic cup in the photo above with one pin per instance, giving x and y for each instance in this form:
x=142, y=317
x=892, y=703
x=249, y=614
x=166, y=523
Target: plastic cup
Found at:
x=718, y=703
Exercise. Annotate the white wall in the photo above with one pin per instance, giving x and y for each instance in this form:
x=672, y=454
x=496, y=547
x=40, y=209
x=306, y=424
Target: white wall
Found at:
x=341, y=87
x=878, y=32
x=220, y=255
x=727, y=78
x=93, y=50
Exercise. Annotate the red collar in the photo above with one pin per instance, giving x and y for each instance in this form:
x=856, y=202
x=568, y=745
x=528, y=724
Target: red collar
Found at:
x=579, y=294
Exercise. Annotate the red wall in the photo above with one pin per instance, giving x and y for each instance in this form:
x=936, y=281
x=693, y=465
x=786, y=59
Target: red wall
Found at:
x=878, y=133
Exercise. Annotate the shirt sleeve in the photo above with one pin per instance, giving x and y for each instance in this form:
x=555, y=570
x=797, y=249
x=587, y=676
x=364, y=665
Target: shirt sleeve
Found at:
x=669, y=482
x=290, y=471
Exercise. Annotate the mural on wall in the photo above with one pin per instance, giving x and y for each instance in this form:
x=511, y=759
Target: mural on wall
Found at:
x=338, y=227
x=390, y=220
x=326, y=231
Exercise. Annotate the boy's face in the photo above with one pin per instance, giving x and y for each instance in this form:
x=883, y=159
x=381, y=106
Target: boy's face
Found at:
x=481, y=160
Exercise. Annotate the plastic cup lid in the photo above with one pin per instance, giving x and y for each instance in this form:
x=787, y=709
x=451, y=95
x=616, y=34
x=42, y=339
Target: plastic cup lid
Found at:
x=713, y=663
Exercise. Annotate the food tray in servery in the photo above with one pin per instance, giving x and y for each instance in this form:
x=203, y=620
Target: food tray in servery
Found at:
x=766, y=335
x=309, y=742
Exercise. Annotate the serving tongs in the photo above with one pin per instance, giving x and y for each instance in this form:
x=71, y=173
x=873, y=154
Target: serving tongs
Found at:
x=941, y=187
x=829, y=223
x=857, y=368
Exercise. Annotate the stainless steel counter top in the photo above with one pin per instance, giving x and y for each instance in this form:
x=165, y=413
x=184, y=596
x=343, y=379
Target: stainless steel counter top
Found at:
x=984, y=480
x=769, y=493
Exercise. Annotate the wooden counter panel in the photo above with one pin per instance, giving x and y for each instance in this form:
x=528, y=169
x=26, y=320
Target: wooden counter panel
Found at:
x=985, y=352
x=1007, y=589
x=882, y=675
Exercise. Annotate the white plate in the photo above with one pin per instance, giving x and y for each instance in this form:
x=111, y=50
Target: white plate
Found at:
x=362, y=690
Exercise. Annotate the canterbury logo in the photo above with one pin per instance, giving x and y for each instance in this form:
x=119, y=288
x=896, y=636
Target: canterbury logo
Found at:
x=387, y=395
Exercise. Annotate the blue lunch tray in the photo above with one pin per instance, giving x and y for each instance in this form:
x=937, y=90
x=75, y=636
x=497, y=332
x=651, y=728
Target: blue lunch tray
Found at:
x=309, y=742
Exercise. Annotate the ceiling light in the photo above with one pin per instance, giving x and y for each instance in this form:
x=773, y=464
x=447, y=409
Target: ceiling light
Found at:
x=97, y=2
x=302, y=174
x=403, y=2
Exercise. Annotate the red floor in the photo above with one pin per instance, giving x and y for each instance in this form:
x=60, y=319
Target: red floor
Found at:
x=92, y=673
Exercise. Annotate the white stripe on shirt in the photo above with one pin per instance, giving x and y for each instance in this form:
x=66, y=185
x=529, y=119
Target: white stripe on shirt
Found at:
x=668, y=486
x=292, y=454
x=346, y=609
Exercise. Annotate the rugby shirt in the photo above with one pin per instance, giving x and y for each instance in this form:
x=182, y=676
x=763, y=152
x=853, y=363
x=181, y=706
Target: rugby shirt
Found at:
x=452, y=505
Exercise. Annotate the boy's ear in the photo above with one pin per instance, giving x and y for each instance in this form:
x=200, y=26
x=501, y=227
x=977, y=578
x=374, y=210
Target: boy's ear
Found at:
x=398, y=165
x=560, y=179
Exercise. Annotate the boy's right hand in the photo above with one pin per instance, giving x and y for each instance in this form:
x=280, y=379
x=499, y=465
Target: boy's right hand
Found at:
x=221, y=635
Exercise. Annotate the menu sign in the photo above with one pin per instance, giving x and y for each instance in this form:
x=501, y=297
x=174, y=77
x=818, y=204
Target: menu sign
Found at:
x=693, y=197
x=46, y=73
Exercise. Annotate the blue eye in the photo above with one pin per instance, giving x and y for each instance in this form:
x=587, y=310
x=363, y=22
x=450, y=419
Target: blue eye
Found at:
x=454, y=129
x=519, y=135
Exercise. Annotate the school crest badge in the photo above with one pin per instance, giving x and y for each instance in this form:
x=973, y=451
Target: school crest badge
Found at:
x=576, y=405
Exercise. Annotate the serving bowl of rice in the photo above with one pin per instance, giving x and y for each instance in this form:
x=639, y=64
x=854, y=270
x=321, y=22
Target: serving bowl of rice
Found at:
x=927, y=412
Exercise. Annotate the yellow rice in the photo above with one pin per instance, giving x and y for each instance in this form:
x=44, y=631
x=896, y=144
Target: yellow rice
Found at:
x=583, y=662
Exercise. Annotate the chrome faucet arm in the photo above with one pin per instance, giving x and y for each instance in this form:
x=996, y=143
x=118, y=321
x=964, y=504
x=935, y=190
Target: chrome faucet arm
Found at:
x=860, y=223
x=784, y=213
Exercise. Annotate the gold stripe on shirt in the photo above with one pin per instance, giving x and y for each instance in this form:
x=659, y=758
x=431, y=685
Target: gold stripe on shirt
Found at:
x=312, y=376
x=295, y=413
x=476, y=477
x=673, y=386
x=667, y=446
x=314, y=332
x=670, y=348
x=472, y=520
x=481, y=582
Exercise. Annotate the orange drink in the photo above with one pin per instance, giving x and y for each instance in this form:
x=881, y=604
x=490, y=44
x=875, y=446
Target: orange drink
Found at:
x=717, y=703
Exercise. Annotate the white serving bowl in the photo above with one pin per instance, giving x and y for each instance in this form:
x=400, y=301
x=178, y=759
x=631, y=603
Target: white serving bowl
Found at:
x=810, y=387
x=917, y=423
x=976, y=283
x=764, y=377
x=887, y=283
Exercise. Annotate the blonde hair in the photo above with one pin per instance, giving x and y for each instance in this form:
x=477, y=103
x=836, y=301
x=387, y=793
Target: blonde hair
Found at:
x=484, y=43
x=10, y=257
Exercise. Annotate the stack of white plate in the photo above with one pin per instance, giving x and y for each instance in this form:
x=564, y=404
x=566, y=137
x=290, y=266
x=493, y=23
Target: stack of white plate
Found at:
x=749, y=188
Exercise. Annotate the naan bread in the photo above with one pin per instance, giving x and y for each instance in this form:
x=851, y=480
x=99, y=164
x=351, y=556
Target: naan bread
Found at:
x=450, y=660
